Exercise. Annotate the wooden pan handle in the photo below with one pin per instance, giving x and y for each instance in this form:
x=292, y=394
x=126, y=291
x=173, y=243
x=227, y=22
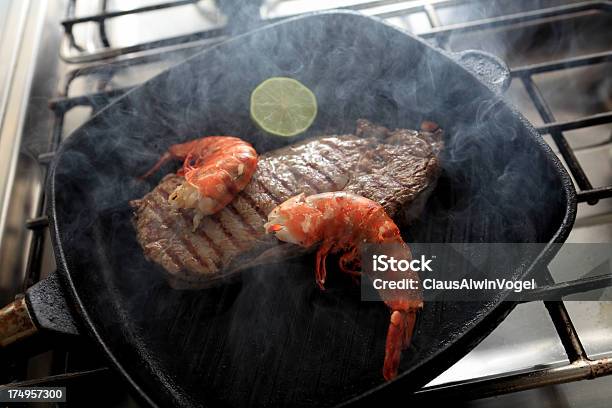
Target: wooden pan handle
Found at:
x=16, y=323
x=43, y=309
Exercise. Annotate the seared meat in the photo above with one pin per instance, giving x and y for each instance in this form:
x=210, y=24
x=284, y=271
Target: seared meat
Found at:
x=395, y=168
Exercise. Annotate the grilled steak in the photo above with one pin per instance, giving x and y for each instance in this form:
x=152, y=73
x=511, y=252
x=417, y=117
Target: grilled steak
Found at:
x=395, y=168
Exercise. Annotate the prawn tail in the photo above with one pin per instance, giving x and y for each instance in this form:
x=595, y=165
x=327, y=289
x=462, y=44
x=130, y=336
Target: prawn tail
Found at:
x=399, y=334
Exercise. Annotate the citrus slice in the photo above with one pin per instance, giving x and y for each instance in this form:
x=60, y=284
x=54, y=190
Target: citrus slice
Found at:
x=283, y=106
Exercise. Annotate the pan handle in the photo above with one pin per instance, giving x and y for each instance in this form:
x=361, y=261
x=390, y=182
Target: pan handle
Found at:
x=489, y=68
x=43, y=309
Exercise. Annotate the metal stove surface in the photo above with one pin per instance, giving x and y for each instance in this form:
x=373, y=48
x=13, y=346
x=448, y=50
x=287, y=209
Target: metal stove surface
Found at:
x=527, y=338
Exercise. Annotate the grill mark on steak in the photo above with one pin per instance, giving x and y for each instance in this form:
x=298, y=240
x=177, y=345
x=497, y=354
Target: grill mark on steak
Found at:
x=282, y=182
x=282, y=190
x=302, y=179
x=331, y=144
x=189, y=222
x=243, y=220
x=285, y=194
x=249, y=212
x=325, y=175
x=167, y=219
x=216, y=218
x=344, y=168
x=195, y=253
x=215, y=233
x=262, y=186
x=324, y=153
x=155, y=233
x=246, y=196
x=336, y=147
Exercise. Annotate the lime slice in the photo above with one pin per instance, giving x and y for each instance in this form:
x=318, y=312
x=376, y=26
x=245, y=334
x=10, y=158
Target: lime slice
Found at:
x=283, y=106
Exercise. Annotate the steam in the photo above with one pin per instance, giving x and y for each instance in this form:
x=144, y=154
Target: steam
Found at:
x=540, y=41
x=497, y=186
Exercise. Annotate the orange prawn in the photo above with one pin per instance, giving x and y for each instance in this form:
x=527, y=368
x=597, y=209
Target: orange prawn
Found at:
x=216, y=168
x=340, y=222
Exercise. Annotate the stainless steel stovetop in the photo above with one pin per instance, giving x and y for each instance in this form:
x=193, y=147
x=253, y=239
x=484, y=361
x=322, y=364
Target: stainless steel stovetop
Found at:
x=77, y=68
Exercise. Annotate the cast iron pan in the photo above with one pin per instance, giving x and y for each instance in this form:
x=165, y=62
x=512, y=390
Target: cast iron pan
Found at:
x=273, y=338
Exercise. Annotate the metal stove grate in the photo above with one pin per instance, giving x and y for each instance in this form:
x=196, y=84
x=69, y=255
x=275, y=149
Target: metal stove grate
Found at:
x=106, y=61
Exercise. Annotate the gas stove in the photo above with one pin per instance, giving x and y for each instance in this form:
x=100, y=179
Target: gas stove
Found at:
x=78, y=56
